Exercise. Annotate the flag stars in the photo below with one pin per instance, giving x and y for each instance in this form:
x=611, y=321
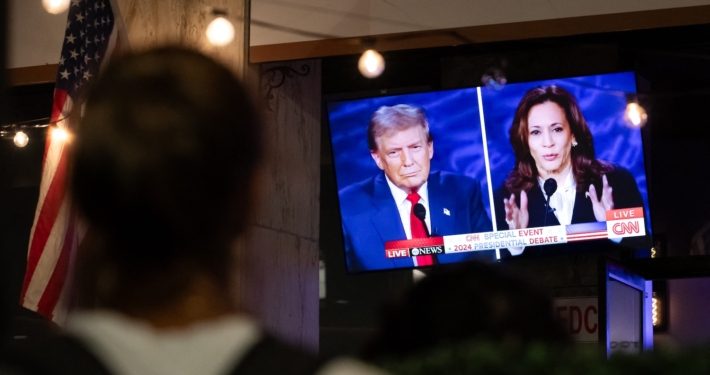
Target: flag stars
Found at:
x=97, y=57
x=68, y=24
x=61, y=60
x=80, y=18
x=97, y=39
x=96, y=22
x=75, y=2
x=97, y=6
x=87, y=41
x=81, y=33
x=86, y=59
x=87, y=75
x=70, y=38
x=65, y=74
x=74, y=55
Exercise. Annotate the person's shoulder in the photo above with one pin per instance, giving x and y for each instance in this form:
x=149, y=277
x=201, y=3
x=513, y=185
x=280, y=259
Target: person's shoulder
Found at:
x=362, y=188
x=456, y=180
x=293, y=360
x=357, y=198
x=62, y=354
x=348, y=366
x=501, y=190
x=619, y=173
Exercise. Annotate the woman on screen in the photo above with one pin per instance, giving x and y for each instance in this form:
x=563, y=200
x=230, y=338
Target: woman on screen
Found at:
x=551, y=140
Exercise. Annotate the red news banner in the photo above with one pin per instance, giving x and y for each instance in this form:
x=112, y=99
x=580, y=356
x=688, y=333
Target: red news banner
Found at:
x=627, y=222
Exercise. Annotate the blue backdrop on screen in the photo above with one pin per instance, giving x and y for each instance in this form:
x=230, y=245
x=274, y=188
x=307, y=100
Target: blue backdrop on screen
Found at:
x=602, y=101
x=453, y=120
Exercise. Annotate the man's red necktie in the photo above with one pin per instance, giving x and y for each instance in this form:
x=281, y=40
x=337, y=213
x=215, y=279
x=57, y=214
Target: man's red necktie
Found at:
x=418, y=230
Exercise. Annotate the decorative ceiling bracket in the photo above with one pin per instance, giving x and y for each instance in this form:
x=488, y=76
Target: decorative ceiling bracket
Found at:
x=275, y=77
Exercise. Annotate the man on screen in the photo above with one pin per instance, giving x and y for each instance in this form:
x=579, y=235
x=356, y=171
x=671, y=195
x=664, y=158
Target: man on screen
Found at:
x=381, y=208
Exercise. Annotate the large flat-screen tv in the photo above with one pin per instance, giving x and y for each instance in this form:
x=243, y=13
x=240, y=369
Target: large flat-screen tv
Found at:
x=531, y=168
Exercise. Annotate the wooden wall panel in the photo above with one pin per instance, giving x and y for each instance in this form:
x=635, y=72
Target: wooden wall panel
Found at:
x=293, y=136
x=279, y=283
x=152, y=23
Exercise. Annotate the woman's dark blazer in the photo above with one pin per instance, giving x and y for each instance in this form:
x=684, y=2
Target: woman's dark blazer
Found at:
x=624, y=191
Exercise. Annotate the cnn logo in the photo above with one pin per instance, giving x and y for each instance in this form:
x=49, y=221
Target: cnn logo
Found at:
x=622, y=228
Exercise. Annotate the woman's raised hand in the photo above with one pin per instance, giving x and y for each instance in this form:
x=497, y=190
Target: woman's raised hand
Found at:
x=606, y=203
x=516, y=217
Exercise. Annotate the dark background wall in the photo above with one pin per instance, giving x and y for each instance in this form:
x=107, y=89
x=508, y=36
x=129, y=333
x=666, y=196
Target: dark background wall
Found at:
x=674, y=86
x=20, y=175
x=687, y=322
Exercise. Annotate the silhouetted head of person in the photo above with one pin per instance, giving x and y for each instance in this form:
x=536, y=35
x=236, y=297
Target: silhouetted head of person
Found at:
x=164, y=165
x=471, y=301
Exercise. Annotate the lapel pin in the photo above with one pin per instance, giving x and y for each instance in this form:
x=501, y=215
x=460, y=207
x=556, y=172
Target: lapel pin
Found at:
x=447, y=212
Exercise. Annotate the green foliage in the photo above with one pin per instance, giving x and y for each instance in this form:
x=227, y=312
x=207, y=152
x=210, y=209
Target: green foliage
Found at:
x=486, y=358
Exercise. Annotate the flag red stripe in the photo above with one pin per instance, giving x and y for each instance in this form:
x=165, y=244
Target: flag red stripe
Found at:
x=51, y=294
x=45, y=221
x=60, y=97
x=586, y=238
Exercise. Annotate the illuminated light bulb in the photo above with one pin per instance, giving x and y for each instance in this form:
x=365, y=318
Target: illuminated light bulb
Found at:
x=55, y=6
x=371, y=64
x=60, y=135
x=634, y=115
x=21, y=139
x=220, y=31
x=655, y=310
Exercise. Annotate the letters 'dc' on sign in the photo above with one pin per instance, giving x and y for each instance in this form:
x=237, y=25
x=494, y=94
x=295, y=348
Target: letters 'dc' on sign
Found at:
x=580, y=317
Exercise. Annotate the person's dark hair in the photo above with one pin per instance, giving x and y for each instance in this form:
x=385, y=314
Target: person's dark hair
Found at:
x=586, y=168
x=387, y=120
x=163, y=165
x=465, y=302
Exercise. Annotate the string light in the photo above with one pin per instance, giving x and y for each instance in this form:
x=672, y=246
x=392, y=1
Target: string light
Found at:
x=55, y=6
x=21, y=139
x=634, y=115
x=60, y=135
x=371, y=64
x=220, y=31
x=655, y=310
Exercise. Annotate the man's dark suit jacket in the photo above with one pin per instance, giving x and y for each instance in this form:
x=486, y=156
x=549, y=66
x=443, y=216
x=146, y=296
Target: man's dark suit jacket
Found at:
x=370, y=218
x=624, y=191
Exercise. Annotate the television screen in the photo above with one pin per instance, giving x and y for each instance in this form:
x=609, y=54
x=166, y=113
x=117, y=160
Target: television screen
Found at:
x=486, y=173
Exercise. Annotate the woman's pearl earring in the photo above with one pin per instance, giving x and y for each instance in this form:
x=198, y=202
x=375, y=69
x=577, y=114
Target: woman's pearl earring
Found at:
x=574, y=143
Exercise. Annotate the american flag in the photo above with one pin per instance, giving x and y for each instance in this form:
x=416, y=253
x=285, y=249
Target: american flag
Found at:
x=586, y=231
x=93, y=34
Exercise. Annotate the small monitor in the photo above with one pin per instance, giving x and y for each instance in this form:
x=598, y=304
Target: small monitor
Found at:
x=625, y=310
